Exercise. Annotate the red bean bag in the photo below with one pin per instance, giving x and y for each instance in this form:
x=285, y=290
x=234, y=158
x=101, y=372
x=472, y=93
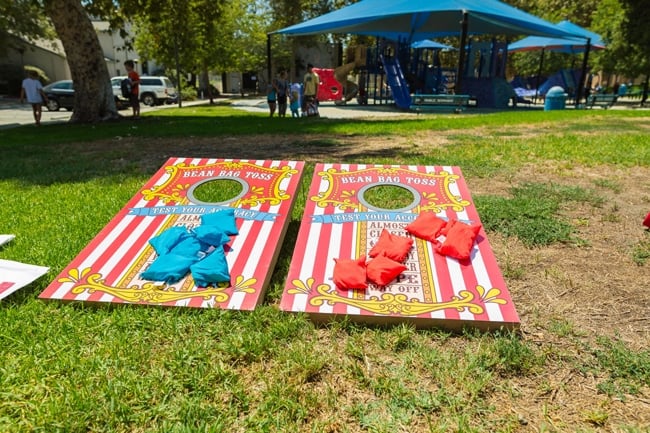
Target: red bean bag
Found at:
x=426, y=226
x=392, y=246
x=382, y=270
x=459, y=240
x=350, y=273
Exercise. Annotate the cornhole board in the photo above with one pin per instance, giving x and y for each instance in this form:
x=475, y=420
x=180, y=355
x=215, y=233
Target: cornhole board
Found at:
x=109, y=268
x=435, y=290
x=6, y=238
x=16, y=275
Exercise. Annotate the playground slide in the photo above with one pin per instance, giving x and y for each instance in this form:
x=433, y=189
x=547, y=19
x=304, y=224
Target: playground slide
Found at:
x=398, y=85
x=565, y=78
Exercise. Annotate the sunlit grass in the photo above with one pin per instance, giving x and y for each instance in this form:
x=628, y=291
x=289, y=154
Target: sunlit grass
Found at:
x=78, y=368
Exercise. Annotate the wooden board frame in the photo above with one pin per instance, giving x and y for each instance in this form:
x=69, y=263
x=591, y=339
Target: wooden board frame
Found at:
x=109, y=268
x=435, y=290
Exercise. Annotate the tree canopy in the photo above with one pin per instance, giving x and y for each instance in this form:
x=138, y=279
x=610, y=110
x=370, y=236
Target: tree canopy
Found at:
x=196, y=36
x=22, y=18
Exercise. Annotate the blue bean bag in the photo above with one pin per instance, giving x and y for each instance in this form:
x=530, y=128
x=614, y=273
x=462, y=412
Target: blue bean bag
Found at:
x=223, y=219
x=212, y=269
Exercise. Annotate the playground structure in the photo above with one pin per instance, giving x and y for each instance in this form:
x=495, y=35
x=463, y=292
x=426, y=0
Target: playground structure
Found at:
x=335, y=85
x=568, y=79
x=393, y=71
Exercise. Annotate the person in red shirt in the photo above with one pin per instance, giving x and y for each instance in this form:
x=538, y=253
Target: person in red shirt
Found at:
x=135, y=87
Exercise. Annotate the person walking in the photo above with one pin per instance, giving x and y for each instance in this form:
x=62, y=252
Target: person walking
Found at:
x=310, y=87
x=282, y=86
x=134, y=98
x=32, y=89
x=272, y=97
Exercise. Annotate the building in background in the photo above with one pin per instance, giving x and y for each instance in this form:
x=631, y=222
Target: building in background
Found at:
x=44, y=54
x=49, y=56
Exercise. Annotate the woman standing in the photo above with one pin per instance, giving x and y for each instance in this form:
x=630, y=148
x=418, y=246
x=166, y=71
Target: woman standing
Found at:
x=282, y=87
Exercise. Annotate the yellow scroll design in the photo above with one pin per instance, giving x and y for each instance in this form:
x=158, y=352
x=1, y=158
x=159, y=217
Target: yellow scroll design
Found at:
x=148, y=293
x=435, y=199
x=433, y=203
x=174, y=191
x=398, y=304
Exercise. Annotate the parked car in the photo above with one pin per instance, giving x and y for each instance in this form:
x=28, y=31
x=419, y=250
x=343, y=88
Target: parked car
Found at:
x=60, y=94
x=153, y=90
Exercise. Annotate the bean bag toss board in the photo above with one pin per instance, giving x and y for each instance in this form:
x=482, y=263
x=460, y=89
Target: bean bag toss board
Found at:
x=434, y=290
x=109, y=269
x=16, y=275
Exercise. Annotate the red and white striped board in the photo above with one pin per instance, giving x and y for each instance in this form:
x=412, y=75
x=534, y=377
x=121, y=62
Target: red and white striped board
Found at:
x=109, y=268
x=435, y=290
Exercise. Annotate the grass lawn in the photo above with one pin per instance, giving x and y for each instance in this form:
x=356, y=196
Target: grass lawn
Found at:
x=561, y=194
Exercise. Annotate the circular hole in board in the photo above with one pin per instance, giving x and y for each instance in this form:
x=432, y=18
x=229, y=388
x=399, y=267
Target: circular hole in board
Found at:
x=389, y=197
x=217, y=190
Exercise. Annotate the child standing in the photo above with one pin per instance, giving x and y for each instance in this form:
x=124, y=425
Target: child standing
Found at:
x=294, y=105
x=294, y=101
x=33, y=90
x=271, y=97
x=134, y=98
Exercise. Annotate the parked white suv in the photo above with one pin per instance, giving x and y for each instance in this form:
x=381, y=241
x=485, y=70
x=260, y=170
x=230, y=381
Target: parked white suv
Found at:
x=153, y=90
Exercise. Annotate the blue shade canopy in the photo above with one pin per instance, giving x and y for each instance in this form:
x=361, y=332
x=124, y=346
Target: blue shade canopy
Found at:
x=413, y=20
x=432, y=45
x=561, y=45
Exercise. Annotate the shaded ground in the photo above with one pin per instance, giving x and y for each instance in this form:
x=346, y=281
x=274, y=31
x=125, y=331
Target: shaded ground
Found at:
x=583, y=291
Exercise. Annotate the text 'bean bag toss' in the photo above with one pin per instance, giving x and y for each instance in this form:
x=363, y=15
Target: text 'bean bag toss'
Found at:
x=392, y=246
x=223, y=219
x=426, y=226
x=459, y=240
x=212, y=269
x=350, y=273
x=382, y=270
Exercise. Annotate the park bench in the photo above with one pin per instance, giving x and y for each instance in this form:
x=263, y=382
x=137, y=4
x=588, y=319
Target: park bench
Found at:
x=634, y=94
x=424, y=101
x=600, y=100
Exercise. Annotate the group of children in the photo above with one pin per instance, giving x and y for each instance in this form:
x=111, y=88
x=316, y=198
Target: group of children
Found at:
x=277, y=97
x=279, y=90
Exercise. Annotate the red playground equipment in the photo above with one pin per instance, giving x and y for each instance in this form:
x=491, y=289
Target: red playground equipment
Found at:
x=334, y=84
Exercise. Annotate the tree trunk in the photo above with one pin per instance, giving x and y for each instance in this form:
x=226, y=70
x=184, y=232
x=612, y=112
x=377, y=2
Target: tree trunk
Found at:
x=205, y=84
x=94, y=100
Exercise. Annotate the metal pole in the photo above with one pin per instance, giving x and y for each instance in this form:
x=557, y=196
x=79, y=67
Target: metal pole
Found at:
x=268, y=57
x=583, y=75
x=461, y=57
x=539, y=73
x=178, y=72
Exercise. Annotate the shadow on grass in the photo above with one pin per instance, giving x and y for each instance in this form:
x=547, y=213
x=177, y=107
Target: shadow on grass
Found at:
x=68, y=153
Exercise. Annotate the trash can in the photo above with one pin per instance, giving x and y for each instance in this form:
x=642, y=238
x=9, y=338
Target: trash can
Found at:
x=555, y=99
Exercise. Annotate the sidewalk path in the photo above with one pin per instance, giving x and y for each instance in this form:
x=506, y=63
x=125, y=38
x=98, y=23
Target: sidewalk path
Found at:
x=13, y=113
x=330, y=110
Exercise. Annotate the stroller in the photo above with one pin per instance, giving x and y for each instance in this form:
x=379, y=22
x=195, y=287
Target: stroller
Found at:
x=311, y=107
